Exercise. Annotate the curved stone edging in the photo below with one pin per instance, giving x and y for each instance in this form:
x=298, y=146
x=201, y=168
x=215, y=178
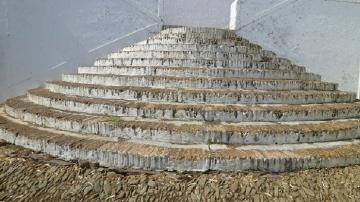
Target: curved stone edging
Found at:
x=204, y=112
x=114, y=155
x=184, y=133
x=199, y=72
x=184, y=55
x=207, y=96
x=198, y=47
x=198, y=82
x=209, y=63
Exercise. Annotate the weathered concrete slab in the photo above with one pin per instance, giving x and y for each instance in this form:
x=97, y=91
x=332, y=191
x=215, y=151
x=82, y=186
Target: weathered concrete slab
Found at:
x=198, y=82
x=197, y=47
x=210, y=96
x=200, y=72
x=191, y=55
x=184, y=132
x=210, y=63
x=203, y=112
x=149, y=156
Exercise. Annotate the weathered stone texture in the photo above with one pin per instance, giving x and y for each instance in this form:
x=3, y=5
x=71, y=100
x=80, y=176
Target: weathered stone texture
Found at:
x=189, y=99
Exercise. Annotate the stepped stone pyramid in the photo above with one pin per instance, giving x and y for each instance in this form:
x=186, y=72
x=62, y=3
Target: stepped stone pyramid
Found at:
x=190, y=99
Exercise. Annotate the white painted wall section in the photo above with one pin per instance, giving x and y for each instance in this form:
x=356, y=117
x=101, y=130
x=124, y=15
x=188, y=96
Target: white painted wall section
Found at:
x=234, y=13
x=322, y=35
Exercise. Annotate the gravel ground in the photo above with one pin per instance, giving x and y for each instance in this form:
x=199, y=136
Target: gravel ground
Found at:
x=29, y=176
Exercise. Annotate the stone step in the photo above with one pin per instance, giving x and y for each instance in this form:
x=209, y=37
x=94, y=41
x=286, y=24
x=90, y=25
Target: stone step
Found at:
x=207, y=33
x=214, y=38
x=200, y=72
x=202, y=39
x=198, y=39
x=191, y=47
x=171, y=62
x=200, y=48
x=183, y=132
x=202, y=35
x=189, y=29
x=150, y=155
x=198, y=112
x=218, y=96
x=192, y=55
x=198, y=82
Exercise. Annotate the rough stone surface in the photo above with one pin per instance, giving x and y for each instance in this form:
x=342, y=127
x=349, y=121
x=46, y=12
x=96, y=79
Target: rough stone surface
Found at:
x=150, y=129
x=154, y=155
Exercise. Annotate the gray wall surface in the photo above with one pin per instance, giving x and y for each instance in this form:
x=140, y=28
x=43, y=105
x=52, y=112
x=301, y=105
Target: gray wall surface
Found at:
x=323, y=35
x=204, y=13
x=39, y=39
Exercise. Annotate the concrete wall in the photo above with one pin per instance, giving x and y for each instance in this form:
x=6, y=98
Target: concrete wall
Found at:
x=323, y=35
x=203, y=13
x=41, y=39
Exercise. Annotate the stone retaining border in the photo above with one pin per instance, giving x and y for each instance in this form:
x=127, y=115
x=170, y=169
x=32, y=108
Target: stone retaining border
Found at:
x=198, y=82
x=148, y=157
x=195, y=112
x=199, y=72
x=183, y=132
x=208, y=96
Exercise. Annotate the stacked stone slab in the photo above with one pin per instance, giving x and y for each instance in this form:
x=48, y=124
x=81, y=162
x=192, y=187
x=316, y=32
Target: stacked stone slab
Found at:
x=190, y=99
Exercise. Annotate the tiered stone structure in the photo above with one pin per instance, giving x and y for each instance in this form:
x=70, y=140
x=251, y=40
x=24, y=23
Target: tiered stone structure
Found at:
x=190, y=99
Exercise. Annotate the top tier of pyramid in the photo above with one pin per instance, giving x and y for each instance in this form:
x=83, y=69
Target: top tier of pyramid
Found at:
x=190, y=99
